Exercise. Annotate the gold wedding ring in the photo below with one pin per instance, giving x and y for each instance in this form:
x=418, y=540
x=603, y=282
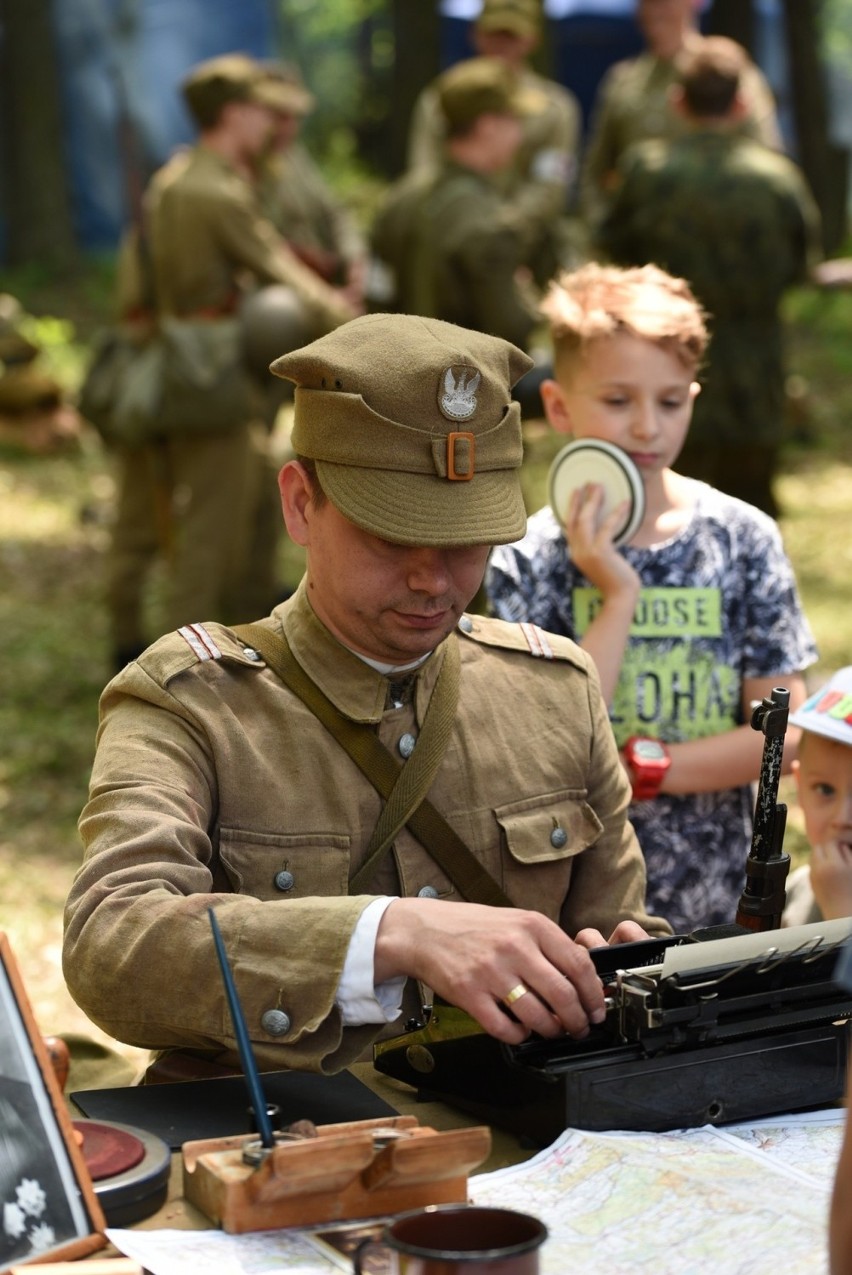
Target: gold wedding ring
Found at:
x=515, y=994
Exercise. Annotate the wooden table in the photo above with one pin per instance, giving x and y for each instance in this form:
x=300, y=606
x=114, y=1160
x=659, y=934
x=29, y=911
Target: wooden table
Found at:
x=178, y=1214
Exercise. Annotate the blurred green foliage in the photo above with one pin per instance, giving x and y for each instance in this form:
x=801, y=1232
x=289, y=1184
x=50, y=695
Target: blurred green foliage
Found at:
x=836, y=23
x=344, y=50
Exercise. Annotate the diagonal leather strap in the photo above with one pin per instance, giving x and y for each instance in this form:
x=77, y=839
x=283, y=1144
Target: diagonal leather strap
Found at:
x=403, y=787
x=414, y=777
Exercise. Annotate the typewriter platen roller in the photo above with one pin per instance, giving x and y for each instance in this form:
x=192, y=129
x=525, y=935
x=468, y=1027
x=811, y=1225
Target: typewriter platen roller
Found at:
x=697, y=1032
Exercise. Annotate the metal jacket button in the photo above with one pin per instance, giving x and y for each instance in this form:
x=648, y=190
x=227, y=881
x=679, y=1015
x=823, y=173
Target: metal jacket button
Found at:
x=466, y=624
x=284, y=880
x=406, y=744
x=275, y=1022
x=558, y=838
x=427, y=892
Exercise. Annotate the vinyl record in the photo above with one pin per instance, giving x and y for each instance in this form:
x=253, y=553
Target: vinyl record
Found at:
x=129, y=1168
x=591, y=460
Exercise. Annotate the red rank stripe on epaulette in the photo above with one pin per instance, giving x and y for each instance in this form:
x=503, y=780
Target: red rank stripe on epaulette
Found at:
x=537, y=641
x=201, y=642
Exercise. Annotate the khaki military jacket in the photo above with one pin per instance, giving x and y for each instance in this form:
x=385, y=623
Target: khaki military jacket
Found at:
x=207, y=236
x=303, y=208
x=540, y=180
x=451, y=253
x=632, y=105
x=212, y=783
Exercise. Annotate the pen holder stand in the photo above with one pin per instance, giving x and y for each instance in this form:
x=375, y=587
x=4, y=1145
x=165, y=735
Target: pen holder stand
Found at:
x=362, y=1168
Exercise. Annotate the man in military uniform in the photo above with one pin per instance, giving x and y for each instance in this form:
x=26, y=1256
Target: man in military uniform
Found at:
x=443, y=245
x=298, y=200
x=538, y=184
x=738, y=222
x=204, y=233
x=632, y=103
x=222, y=781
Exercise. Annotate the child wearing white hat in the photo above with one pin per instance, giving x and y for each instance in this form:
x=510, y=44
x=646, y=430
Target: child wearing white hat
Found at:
x=823, y=773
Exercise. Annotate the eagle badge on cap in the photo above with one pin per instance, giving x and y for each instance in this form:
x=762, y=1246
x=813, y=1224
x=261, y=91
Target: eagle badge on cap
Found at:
x=458, y=399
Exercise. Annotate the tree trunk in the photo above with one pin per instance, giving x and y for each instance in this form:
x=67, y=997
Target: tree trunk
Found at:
x=416, y=27
x=36, y=199
x=824, y=165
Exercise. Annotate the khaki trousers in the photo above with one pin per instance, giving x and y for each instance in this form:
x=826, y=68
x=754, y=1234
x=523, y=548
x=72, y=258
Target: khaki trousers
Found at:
x=188, y=501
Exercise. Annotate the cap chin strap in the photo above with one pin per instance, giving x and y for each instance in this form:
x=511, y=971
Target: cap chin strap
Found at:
x=403, y=787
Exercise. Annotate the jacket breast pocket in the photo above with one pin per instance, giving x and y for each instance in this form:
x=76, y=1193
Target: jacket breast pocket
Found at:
x=543, y=836
x=285, y=866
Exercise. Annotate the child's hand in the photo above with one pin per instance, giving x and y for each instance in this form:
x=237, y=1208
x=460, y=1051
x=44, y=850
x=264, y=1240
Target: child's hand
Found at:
x=590, y=538
x=831, y=878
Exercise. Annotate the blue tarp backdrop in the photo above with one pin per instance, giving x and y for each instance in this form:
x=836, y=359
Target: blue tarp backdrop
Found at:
x=120, y=64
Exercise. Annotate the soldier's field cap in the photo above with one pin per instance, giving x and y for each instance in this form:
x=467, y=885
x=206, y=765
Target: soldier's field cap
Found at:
x=828, y=711
x=232, y=77
x=289, y=95
x=481, y=86
x=521, y=17
x=412, y=428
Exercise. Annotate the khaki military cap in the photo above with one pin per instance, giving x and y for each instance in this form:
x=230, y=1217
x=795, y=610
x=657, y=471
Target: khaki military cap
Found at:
x=412, y=428
x=521, y=17
x=480, y=86
x=286, y=83
x=233, y=77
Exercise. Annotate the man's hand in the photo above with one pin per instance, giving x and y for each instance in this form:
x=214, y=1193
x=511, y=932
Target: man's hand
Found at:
x=624, y=932
x=476, y=957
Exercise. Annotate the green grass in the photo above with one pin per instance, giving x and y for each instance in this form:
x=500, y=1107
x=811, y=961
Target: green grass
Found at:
x=54, y=516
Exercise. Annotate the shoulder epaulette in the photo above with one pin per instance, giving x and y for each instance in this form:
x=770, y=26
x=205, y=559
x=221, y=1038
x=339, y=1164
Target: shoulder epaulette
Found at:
x=193, y=644
x=527, y=638
x=200, y=640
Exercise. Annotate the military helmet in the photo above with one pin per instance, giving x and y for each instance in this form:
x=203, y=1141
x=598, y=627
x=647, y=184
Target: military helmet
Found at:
x=272, y=319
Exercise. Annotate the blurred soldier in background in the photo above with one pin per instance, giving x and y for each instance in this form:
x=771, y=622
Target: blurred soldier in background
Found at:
x=204, y=240
x=736, y=220
x=443, y=243
x=539, y=182
x=297, y=199
x=35, y=413
x=322, y=233
x=632, y=101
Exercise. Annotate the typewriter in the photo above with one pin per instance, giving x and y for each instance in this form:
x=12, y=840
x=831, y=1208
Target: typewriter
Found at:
x=729, y=1023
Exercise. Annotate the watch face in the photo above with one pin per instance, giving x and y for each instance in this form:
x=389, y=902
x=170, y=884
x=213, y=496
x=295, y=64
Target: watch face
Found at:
x=648, y=750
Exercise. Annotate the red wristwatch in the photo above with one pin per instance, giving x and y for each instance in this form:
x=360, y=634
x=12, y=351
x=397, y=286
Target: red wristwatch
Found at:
x=647, y=760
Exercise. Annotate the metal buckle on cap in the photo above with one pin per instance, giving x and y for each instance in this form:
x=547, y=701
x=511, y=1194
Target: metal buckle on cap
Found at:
x=453, y=439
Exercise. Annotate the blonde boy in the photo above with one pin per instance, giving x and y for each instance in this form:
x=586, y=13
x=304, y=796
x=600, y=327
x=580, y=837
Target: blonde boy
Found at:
x=823, y=772
x=693, y=619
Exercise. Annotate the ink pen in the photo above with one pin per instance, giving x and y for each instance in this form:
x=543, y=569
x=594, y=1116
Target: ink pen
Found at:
x=252, y=1075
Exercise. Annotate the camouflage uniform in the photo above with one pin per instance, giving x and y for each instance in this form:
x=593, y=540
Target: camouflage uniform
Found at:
x=737, y=221
x=452, y=254
x=632, y=105
x=538, y=186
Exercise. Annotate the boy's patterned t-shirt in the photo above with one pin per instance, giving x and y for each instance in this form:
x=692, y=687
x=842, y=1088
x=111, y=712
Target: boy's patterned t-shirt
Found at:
x=718, y=604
